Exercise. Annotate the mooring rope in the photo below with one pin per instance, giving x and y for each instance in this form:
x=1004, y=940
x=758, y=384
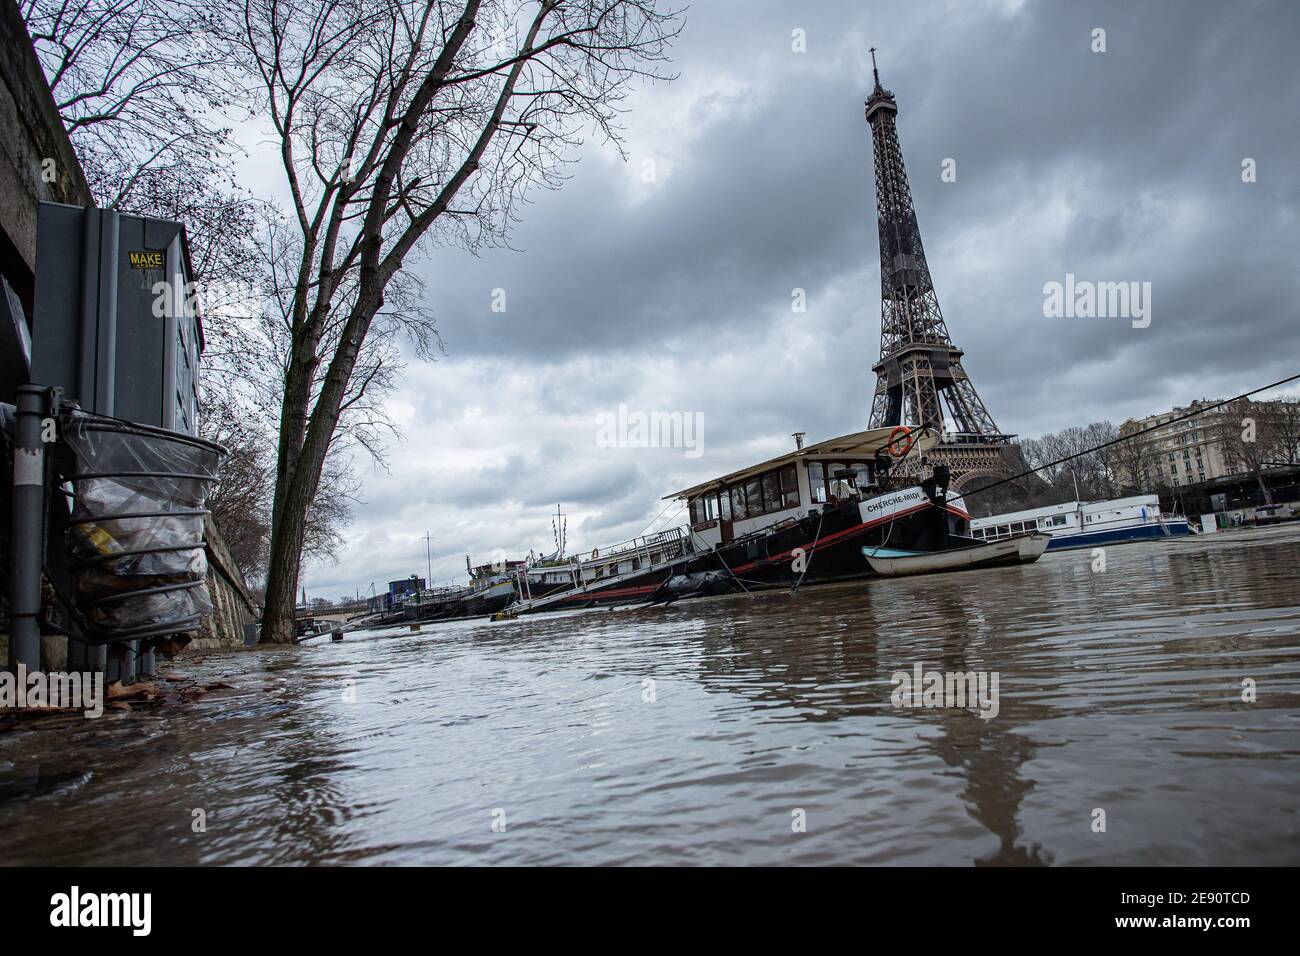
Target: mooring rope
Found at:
x=811, y=548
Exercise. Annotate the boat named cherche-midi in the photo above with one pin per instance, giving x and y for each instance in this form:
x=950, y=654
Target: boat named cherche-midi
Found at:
x=860, y=505
x=799, y=518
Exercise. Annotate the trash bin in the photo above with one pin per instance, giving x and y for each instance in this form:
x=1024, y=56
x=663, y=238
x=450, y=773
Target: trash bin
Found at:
x=134, y=543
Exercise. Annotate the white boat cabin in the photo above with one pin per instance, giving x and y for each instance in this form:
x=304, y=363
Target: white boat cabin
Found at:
x=787, y=487
x=1070, y=517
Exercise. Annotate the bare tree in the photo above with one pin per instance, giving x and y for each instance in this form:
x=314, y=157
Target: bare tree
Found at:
x=1250, y=436
x=240, y=500
x=1101, y=463
x=1040, y=454
x=1130, y=460
x=1073, y=463
x=403, y=123
x=137, y=84
x=1287, y=423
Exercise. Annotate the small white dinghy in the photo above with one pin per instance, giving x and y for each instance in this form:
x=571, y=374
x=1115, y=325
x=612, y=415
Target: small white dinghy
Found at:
x=892, y=563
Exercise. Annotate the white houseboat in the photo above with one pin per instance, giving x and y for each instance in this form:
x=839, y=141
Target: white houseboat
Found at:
x=1086, y=524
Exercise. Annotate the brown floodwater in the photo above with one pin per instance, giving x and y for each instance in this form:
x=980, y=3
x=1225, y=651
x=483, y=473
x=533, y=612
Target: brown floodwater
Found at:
x=543, y=740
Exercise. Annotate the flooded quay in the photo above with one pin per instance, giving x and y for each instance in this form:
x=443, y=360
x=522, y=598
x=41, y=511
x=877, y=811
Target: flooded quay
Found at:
x=750, y=729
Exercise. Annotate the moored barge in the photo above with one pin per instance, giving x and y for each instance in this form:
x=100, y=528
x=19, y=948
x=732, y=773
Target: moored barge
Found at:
x=800, y=518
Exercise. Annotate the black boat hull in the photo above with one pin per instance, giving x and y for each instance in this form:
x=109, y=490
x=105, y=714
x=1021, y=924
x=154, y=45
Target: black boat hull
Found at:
x=821, y=547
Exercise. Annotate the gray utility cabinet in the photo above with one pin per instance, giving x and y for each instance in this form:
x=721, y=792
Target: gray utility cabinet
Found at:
x=117, y=325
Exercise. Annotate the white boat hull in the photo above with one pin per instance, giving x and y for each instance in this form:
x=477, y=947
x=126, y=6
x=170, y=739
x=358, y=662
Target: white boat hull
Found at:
x=1020, y=550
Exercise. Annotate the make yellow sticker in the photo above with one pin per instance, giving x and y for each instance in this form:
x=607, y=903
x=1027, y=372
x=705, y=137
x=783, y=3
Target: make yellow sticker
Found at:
x=146, y=260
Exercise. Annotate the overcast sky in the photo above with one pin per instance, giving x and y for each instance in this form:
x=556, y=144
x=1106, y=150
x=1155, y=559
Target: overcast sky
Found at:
x=675, y=295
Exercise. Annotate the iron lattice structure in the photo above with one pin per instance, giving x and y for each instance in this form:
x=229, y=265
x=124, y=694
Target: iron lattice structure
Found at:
x=920, y=371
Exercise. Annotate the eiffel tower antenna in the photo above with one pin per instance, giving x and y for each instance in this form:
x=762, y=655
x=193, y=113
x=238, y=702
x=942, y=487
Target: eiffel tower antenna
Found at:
x=919, y=376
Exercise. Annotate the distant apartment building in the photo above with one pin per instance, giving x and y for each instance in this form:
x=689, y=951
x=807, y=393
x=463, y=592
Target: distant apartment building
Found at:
x=1178, y=453
x=1186, y=450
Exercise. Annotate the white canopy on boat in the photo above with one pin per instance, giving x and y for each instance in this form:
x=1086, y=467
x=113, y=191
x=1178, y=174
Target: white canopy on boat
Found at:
x=855, y=445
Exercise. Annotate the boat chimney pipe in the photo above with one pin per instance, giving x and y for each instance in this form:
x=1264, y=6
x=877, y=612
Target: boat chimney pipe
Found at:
x=798, y=441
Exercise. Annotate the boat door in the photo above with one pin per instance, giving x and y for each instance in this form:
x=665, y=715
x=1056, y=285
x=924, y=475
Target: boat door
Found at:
x=725, y=516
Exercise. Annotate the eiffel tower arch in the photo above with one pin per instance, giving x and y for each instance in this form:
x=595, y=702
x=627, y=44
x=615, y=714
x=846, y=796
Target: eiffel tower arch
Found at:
x=920, y=378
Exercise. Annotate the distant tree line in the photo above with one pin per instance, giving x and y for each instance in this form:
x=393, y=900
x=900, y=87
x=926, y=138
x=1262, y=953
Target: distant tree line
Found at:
x=1252, y=435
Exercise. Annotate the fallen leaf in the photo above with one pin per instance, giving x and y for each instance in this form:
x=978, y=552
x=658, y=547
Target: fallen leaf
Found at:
x=119, y=691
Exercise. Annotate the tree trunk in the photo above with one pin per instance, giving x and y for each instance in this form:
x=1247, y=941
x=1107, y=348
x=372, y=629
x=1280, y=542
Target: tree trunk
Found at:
x=288, y=527
x=1263, y=488
x=289, y=523
x=278, y=619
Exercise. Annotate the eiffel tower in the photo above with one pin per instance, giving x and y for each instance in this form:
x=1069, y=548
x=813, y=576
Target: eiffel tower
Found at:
x=919, y=367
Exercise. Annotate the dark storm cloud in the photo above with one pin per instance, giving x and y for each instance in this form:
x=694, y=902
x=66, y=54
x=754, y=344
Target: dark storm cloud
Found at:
x=779, y=194
x=1114, y=166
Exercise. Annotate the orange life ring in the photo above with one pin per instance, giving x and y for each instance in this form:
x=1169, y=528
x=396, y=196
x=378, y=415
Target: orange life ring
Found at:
x=893, y=437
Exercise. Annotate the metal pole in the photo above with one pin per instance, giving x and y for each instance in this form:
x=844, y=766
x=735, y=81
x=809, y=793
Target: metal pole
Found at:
x=28, y=547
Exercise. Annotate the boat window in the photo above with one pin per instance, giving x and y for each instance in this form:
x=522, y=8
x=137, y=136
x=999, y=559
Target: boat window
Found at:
x=711, y=507
x=836, y=488
x=738, y=509
x=725, y=501
x=697, y=511
x=817, y=481
x=754, y=496
x=862, y=475
x=790, y=486
x=772, y=491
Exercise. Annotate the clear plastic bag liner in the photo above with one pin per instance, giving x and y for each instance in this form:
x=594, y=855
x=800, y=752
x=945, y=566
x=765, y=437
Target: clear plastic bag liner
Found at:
x=123, y=538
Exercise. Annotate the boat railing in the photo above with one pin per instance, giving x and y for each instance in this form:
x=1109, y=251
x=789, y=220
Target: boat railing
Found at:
x=674, y=540
x=644, y=550
x=602, y=564
x=672, y=535
x=430, y=595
